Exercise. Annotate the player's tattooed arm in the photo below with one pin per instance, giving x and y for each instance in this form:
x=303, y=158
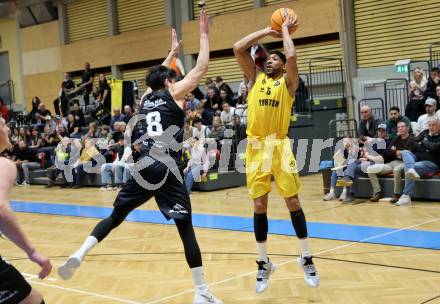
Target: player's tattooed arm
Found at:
x=289, y=50
x=175, y=47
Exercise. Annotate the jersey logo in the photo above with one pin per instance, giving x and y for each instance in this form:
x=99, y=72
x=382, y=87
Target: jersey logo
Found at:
x=154, y=103
x=177, y=208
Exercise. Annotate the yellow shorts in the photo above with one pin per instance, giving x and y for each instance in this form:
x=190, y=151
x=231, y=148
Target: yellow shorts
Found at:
x=265, y=158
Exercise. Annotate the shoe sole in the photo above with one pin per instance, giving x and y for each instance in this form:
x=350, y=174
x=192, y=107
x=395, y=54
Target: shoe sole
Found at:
x=272, y=270
x=412, y=176
x=66, y=270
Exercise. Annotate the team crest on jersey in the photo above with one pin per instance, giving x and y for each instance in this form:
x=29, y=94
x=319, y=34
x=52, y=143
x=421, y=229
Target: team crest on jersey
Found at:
x=153, y=103
x=277, y=83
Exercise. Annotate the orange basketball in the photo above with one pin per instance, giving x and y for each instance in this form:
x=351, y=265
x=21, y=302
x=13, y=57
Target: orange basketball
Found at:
x=278, y=17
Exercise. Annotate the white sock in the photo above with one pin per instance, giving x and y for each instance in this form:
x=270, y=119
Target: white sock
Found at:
x=262, y=254
x=344, y=190
x=88, y=244
x=304, y=247
x=198, y=276
x=332, y=190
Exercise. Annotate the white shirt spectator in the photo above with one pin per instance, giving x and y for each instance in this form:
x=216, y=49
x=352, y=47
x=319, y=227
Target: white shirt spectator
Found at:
x=226, y=117
x=199, y=133
x=199, y=157
x=438, y=114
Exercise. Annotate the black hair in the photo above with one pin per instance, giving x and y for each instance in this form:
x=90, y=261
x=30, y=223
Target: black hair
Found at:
x=395, y=109
x=157, y=75
x=435, y=69
x=280, y=54
x=196, y=120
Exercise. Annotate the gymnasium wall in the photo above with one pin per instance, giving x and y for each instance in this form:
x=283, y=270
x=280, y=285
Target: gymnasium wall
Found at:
x=9, y=43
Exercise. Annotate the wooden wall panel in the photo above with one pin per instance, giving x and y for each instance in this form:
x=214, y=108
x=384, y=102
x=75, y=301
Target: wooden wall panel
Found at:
x=46, y=35
x=220, y=7
x=42, y=61
x=86, y=19
x=44, y=85
x=135, y=14
x=317, y=17
x=389, y=30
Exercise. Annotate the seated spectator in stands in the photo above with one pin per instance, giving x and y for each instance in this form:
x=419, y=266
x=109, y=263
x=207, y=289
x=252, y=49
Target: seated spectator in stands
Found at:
x=209, y=83
x=423, y=121
x=239, y=128
x=422, y=159
x=221, y=85
x=117, y=116
x=128, y=114
x=415, y=107
x=243, y=86
x=105, y=96
x=203, y=114
x=187, y=132
x=367, y=158
x=394, y=120
x=225, y=97
x=43, y=111
x=15, y=136
x=437, y=92
x=49, y=138
x=118, y=168
x=433, y=82
x=78, y=114
x=4, y=111
x=216, y=131
x=393, y=163
x=61, y=132
x=73, y=128
x=34, y=103
x=88, y=152
x=35, y=141
x=241, y=104
x=226, y=115
x=191, y=102
x=119, y=130
x=23, y=135
x=198, y=161
x=213, y=101
x=199, y=130
x=24, y=160
x=62, y=153
x=92, y=131
x=368, y=124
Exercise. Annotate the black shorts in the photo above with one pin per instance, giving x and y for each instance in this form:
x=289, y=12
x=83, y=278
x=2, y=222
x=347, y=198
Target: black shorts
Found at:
x=171, y=195
x=13, y=287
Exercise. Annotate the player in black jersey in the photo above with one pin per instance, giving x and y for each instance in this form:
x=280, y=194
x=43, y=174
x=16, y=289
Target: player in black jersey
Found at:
x=13, y=287
x=160, y=128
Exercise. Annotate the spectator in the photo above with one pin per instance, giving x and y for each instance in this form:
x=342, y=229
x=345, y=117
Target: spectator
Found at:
x=225, y=97
x=88, y=152
x=199, y=161
x=78, y=114
x=35, y=141
x=73, y=127
x=394, y=120
x=422, y=159
x=241, y=104
x=437, y=92
x=49, y=138
x=43, y=111
x=433, y=82
x=213, y=101
x=191, y=101
x=105, y=96
x=62, y=154
x=23, y=135
x=24, y=160
x=15, y=136
x=4, y=111
x=239, y=129
x=92, y=131
x=119, y=130
x=392, y=158
x=354, y=168
x=187, y=131
x=422, y=122
x=415, y=107
x=216, y=131
x=368, y=124
x=243, y=85
x=35, y=102
x=61, y=132
x=87, y=79
x=301, y=97
x=128, y=114
x=117, y=116
x=226, y=115
x=203, y=114
x=67, y=87
x=118, y=168
x=199, y=130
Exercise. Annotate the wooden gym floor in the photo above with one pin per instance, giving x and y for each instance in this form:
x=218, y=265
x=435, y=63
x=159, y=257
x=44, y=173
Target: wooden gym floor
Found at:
x=144, y=263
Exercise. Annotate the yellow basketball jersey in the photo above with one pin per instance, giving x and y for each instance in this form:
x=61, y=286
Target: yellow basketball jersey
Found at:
x=269, y=107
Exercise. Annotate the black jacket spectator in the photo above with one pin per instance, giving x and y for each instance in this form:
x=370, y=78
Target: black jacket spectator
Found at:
x=427, y=147
x=368, y=128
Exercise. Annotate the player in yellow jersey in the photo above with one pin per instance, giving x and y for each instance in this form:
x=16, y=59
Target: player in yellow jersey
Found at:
x=268, y=151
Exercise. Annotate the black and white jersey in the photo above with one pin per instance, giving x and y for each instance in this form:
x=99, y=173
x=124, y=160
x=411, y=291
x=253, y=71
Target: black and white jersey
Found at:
x=162, y=117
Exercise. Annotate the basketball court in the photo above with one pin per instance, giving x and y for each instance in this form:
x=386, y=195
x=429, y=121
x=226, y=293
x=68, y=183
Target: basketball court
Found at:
x=365, y=252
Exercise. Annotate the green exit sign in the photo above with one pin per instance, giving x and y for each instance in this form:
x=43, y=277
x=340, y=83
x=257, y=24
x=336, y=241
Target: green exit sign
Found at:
x=401, y=68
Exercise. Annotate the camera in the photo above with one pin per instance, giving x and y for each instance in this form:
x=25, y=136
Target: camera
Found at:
x=201, y=4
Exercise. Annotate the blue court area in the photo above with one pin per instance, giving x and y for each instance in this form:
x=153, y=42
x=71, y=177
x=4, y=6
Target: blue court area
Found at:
x=340, y=232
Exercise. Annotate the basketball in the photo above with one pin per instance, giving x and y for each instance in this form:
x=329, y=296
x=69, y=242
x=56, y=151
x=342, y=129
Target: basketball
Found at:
x=278, y=17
